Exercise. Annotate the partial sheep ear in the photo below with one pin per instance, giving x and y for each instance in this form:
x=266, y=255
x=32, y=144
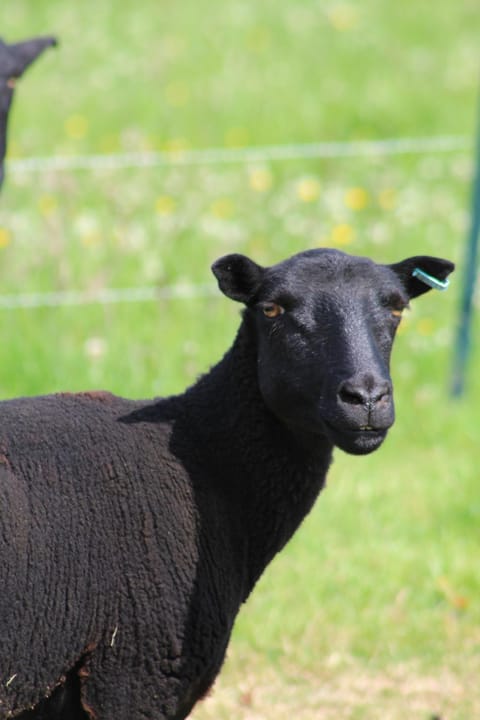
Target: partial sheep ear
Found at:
x=238, y=277
x=436, y=268
x=18, y=56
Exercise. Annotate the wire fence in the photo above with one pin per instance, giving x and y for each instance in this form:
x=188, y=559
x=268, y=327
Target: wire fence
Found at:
x=209, y=156
x=105, y=296
x=265, y=153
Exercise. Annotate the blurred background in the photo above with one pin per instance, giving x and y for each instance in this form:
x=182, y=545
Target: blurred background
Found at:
x=159, y=136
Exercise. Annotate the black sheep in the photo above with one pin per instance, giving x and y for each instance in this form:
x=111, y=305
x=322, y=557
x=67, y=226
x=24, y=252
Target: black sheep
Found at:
x=14, y=60
x=131, y=532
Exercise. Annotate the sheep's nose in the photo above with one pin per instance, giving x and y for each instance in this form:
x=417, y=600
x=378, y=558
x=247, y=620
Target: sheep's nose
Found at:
x=365, y=390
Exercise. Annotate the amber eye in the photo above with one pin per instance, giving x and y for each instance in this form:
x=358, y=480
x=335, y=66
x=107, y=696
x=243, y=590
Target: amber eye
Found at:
x=397, y=313
x=272, y=310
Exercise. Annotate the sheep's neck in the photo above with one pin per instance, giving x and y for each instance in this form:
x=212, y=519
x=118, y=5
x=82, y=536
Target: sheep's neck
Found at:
x=272, y=476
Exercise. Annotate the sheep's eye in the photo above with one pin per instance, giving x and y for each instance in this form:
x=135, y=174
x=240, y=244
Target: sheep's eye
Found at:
x=11, y=82
x=272, y=310
x=395, y=304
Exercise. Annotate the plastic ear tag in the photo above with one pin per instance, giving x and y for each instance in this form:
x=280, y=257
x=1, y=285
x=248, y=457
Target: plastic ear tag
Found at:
x=429, y=280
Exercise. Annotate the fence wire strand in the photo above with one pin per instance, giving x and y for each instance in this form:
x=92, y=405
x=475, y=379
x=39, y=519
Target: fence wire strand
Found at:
x=105, y=296
x=266, y=153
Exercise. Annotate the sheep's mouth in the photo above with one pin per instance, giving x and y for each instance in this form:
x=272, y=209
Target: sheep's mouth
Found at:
x=356, y=441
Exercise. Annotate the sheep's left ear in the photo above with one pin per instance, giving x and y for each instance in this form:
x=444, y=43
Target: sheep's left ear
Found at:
x=239, y=278
x=435, y=268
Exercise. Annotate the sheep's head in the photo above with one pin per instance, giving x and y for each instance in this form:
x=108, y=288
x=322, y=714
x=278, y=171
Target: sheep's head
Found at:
x=324, y=324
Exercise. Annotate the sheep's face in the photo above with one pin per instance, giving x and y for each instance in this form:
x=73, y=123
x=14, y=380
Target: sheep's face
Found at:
x=324, y=324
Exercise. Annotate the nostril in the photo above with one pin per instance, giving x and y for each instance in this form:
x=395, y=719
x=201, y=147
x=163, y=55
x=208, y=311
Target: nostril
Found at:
x=353, y=394
x=382, y=391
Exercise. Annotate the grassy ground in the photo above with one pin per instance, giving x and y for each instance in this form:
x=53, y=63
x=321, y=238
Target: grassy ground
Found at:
x=373, y=609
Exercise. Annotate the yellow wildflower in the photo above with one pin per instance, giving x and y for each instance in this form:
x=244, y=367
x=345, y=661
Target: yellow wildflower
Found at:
x=342, y=234
x=308, y=189
x=342, y=16
x=76, y=126
x=222, y=208
x=260, y=179
x=47, y=204
x=236, y=137
x=165, y=205
x=356, y=198
x=109, y=143
x=91, y=238
x=426, y=326
x=14, y=149
x=5, y=237
x=176, y=145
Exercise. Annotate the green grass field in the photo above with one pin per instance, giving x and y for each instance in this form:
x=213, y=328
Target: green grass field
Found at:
x=373, y=610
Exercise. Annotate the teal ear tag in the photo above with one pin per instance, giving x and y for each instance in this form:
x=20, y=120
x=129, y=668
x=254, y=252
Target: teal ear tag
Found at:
x=429, y=280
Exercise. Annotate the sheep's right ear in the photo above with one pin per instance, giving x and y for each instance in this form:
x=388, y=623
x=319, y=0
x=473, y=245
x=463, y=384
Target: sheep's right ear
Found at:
x=239, y=278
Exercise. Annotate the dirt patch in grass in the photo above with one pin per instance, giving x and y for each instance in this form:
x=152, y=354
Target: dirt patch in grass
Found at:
x=344, y=689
